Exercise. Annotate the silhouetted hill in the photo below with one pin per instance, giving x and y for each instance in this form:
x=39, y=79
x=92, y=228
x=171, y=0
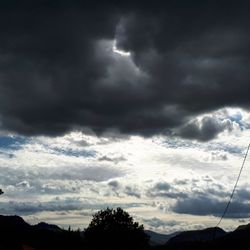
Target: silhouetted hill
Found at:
x=13, y=223
x=159, y=239
x=15, y=233
x=243, y=227
x=211, y=239
x=46, y=226
x=12, y=230
x=207, y=234
x=238, y=239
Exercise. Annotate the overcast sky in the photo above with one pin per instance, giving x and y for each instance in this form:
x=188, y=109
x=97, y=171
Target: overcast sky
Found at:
x=141, y=104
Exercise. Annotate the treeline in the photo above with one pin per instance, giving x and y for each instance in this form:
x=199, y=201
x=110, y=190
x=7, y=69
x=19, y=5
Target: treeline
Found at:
x=112, y=229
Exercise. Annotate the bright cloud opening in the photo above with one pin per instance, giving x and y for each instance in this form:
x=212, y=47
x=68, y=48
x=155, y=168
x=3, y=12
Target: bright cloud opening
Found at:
x=120, y=52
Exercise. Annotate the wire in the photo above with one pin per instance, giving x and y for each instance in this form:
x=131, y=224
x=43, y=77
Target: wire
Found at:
x=235, y=185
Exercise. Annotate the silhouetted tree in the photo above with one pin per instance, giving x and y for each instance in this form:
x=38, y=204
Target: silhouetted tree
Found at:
x=1, y=191
x=115, y=229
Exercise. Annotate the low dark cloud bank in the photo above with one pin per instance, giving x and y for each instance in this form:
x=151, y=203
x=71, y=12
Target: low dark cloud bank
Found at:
x=58, y=71
x=201, y=199
x=206, y=206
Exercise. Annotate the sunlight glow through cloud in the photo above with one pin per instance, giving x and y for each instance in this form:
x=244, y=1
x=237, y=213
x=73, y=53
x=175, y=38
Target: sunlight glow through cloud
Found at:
x=150, y=177
x=120, y=52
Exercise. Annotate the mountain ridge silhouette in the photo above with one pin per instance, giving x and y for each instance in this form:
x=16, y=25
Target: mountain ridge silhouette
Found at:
x=16, y=233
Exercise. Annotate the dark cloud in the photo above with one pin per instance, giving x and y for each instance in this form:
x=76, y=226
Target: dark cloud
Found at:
x=190, y=197
x=243, y=194
x=114, y=184
x=195, y=198
x=207, y=206
x=205, y=129
x=166, y=190
x=69, y=204
x=58, y=72
x=128, y=190
x=132, y=191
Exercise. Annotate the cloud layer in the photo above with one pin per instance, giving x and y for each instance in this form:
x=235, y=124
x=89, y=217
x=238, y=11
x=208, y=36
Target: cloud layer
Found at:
x=59, y=71
x=169, y=184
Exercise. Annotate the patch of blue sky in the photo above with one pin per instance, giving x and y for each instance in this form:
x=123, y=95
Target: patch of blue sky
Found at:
x=238, y=119
x=75, y=153
x=12, y=142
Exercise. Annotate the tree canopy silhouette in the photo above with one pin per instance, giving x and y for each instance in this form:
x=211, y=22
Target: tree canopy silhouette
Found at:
x=115, y=229
x=1, y=191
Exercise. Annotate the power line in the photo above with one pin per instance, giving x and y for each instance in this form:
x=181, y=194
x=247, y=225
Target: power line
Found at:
x=235, y=185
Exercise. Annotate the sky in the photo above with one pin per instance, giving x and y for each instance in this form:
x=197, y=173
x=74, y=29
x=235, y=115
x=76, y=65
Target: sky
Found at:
x=142, y=105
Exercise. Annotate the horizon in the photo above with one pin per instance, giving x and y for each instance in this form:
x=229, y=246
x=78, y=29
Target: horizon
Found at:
x=147, y=231
x=136, y=105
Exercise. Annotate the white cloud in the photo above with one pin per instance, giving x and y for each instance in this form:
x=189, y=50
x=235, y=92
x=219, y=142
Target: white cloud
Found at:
x=155, y=172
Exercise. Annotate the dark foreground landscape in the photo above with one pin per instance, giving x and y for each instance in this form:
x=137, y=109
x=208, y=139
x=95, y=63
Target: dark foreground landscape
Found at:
x=114, y=229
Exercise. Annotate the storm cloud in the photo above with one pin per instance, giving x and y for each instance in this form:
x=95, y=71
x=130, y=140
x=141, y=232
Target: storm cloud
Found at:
x=59, y=70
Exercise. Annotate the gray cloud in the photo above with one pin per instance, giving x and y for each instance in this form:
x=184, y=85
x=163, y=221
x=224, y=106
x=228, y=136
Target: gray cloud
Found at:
x=114, y=184
x=225, y=147
x=203, y=197
x=219, y=156
x=243, y=194
x=72, y=152
x=112, y=159
x=157, y=223
x=57, y=205
x=58, y=72
x=162, y=186
x=6, y=154
x=204, y=130
x=16, y=207
x=76, y=173
x=200, y=197
x=207, y=206
x=166, y=190
x=132, y=191
x=27, y=182
x=120, y=189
